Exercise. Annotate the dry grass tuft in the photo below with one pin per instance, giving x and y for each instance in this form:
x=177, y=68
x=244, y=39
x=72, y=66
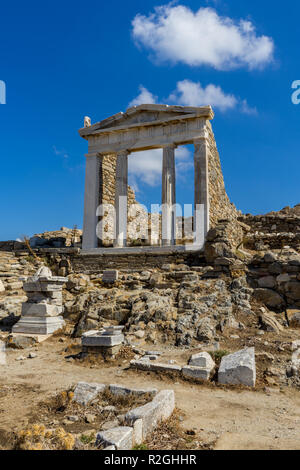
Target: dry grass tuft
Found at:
x=37, y=437
x=170, y=435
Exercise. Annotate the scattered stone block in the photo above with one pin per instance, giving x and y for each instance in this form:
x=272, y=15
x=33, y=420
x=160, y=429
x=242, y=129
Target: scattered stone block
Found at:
x=120, y=437
x=110, y=276
x=238, y=368
x=161, y=408
x=2, y=288
x=197, y=373
x=154, y=367
x=123, y=391
x=202, y=359
x=102, y=340
x=86, y=392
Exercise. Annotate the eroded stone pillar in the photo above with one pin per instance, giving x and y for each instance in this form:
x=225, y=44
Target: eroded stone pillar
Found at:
x=168, y=196
x=121, y=198
x=201, y=215
x=92, y=199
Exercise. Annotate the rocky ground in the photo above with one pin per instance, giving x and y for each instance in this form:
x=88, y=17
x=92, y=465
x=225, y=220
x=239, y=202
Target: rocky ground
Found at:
x=218, y=417
x=235, y=298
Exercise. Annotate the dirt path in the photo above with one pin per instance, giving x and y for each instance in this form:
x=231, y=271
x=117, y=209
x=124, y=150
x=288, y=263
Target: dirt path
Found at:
x=232, y=419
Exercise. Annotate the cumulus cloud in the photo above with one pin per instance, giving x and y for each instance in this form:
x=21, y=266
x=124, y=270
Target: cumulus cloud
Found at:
x=146, y=166
x=177, y=34
x=144, y=97
x=190, y=93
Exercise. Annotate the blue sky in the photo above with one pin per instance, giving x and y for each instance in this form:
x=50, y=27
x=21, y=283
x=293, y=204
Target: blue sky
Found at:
x=64, y=60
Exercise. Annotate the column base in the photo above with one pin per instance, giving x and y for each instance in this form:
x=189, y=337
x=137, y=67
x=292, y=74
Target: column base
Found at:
x=38, y=325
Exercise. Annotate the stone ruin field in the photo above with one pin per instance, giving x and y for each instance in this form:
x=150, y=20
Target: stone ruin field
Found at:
x=208, y=357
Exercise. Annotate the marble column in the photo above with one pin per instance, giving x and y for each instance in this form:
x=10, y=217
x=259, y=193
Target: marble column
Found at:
x=168, y=196
x=92, y=199
x=201, y=198
x=121, y=198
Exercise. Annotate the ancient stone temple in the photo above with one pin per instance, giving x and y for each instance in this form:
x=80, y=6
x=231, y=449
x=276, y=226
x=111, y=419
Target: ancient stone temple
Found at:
x=143, y=128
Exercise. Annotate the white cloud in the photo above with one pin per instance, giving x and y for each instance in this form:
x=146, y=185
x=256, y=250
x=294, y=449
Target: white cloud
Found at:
x=146, y=166
x=144, y=97
x=177, y=34
x=190, y=93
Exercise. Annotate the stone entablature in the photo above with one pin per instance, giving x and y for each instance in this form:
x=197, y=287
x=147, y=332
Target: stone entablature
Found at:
x=147, y=127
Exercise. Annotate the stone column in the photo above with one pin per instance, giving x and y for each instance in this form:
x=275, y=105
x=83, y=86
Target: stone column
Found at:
x=121, y=198
x=92, y=199
x=201, y=215
x=168, y=196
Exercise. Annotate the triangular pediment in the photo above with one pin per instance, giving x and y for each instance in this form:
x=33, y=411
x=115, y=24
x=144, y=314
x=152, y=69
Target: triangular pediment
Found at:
x=146, y=113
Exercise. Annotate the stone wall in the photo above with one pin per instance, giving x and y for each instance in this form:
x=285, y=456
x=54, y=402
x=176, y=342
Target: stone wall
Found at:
x=272, y=231
x=220, y=205
x=108, y=179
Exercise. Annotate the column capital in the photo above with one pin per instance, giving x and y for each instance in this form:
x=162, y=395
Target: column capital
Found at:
x=93, y=154
x=169, y=146
x=123, y=153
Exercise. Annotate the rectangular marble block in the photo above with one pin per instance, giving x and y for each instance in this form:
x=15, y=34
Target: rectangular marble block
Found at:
x=41, y=310
x=110, y=276
x=41, y=287
x=104, y=340
x=38, y=325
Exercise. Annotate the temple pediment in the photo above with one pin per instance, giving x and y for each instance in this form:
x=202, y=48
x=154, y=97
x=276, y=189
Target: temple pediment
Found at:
x=142, y=115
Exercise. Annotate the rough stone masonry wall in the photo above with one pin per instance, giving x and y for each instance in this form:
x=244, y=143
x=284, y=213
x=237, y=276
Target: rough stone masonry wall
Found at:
x=272, y=231
x=220, y=206
x=108, y=179
x=109, y=163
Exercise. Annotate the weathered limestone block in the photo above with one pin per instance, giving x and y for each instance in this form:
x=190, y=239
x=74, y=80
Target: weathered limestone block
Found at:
x=120, y=437
x=201, y=366
x=102, y=340
x=2, y=288
x=110, y=276
x=155, y=367
x=161, y=408
x=123, y=391
x=194, y=372
x=202, y=359
x=238, y=368
x=86, y=392
x=38, y=325
x=41, y=310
